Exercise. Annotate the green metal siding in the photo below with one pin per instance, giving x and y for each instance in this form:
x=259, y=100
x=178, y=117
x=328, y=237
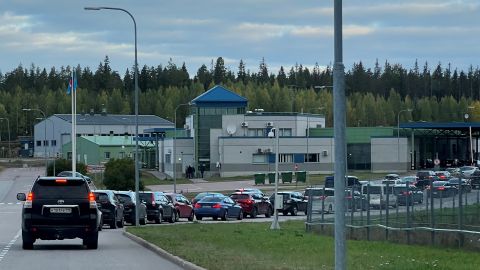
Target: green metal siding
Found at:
x=356, y=134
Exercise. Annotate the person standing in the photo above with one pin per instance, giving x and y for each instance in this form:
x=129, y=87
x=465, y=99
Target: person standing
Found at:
x=202, y=169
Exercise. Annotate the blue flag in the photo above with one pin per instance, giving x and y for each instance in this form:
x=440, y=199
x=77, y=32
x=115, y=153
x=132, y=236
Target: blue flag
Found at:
x=72, y=84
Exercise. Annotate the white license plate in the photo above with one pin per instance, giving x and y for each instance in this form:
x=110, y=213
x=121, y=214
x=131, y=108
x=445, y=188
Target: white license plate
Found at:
x=206, y=206
x=61, y=210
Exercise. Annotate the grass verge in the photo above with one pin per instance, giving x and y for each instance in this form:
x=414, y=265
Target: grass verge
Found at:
x=255, y=246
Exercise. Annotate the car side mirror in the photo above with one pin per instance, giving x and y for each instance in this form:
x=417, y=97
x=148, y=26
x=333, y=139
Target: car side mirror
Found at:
x=21, y=197
x=143, y=201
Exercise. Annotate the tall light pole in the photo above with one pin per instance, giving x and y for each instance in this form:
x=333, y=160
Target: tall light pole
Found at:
x=8, y=127
x=45, y=139
x=275, y=132
x=339, y=120
x=175, y=146
x=398, y=132
x=470, y=135
x=137, y=173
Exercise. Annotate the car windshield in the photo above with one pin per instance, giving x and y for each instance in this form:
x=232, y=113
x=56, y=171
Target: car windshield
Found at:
x=314, y=192
x=201, y=195
x=454, y=181
x=409, y=179
x=240, y=196
x=101, y=197
x=211, y=199
x=466, y=168
x=145, y=196
x=124, y=198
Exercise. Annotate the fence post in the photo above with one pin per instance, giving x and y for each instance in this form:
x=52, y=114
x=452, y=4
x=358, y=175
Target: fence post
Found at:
x=387, y=207
x=460, y=216
x=368, y=211
x=323, y=209
x=407, y=201
x=432, y=219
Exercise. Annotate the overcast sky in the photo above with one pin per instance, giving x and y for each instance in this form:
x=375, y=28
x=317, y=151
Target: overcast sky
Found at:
x=284, y=32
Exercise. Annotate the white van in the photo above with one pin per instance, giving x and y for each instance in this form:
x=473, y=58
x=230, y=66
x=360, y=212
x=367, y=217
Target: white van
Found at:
x=378, y=195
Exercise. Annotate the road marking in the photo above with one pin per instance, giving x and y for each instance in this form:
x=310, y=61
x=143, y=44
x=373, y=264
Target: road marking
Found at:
x=7, y=247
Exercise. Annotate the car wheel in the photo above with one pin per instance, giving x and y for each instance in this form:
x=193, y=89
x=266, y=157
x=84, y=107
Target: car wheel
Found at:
x=190, y=218
x=240, y=215
x=269, y=212
x=173, y=217
x=27, y=240
x=245, y=215
x=225, y=215
x=159, y=218
x=198, y=217
x=91, y=241
x=101, y=225
x=113, y=223
x=121, y=223
x=143, y=220
x=177, y=216
x=254, y=212
x=294, y=210
x=285, y=212
x=215, y=218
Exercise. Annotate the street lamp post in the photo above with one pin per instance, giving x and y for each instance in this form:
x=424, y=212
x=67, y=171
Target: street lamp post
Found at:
x=175, y=146
x=470, y=135
x=137, y=173
x=8, y=127
x=398, y=132
x=45, y=139
x=275, y=132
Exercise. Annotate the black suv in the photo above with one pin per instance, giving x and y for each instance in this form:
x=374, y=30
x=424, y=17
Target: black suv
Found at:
x=60, y=208
x=292, y=202
x=159, y=207
x=352, y=181
x=112, y=209
x=127, y=198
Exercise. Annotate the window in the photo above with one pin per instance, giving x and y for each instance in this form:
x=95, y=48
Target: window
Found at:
x=45, y=143
x=285, y=158
x=107, y=155
x=121, y=154
x=69, y=155
x=54, y=142
x=260, y=158
x=168, y=158
x=39, y=143
x=256, y=132
x=285, y=132
x=312, y=157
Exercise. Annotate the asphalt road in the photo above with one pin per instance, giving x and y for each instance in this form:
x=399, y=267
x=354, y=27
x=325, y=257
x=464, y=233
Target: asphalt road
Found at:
x=115, y=251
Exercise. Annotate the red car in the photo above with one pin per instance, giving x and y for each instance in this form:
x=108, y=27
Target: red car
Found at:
x=253, y=204
x=182, y=205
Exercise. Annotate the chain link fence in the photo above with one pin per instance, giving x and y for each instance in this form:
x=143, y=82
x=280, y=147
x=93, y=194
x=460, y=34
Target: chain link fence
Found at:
x=446, y=215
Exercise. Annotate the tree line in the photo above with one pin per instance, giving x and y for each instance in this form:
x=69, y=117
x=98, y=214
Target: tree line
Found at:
x=375, y=95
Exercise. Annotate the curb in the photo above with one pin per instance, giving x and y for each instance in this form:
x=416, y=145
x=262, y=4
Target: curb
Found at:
x=162, y=253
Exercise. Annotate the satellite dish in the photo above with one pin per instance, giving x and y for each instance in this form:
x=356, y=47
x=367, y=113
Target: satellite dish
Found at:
x=231, y=130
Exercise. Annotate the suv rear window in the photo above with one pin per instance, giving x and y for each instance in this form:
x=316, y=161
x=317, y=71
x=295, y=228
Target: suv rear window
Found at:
x=146, y=196
x=240, y=196
x=124, y=198
x=49, y=189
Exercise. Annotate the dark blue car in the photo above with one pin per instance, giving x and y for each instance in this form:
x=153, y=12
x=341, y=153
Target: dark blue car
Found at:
x=217, y=207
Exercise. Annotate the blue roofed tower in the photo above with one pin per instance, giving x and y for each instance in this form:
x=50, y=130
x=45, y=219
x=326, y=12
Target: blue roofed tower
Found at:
x=207, y=110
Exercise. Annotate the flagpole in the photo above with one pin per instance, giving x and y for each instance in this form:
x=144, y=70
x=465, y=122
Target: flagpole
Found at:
x=74, y=125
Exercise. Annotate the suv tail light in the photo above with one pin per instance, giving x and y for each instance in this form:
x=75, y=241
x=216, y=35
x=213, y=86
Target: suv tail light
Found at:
x=217, y=205
x=153, y=200
x=197, y=205
x=91, y=199
x=28, y=201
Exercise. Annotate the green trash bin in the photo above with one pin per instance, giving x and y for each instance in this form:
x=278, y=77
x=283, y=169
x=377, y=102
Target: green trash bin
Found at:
x=259, y=178
x=286, y=177
x=271, y=178
x=301, y=176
